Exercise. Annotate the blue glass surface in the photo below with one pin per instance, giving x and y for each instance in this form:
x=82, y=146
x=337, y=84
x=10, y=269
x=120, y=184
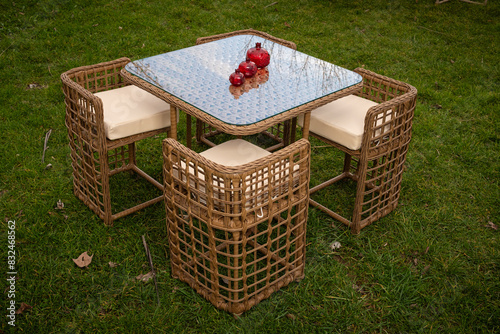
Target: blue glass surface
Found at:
x=199, y=76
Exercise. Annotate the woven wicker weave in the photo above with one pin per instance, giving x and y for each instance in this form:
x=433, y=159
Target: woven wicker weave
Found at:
x=95, y=158
x=237, y=234
x=377, y=166
x=279, y=132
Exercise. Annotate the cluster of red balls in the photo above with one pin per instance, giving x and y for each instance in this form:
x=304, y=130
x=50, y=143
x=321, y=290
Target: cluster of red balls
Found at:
x=257, y=57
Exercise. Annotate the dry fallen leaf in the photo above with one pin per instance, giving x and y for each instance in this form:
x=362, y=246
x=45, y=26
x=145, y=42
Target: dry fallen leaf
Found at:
x=145, y=277
x=426, y=269
x=83, y=260
x=113, y=264
x=493, y=226
x=23, y=308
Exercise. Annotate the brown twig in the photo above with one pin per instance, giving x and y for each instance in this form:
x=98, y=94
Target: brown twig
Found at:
x=476, y=2
x=152, y=268
x=271, y=4
x=45, y=147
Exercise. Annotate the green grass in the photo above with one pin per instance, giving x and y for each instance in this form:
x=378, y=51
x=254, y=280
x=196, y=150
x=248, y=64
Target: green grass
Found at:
x=431, y=266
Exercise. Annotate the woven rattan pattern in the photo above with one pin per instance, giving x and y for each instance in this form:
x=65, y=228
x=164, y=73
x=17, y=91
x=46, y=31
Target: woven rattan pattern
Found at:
x=94, y=158
x=378, y=165
x=237, y=234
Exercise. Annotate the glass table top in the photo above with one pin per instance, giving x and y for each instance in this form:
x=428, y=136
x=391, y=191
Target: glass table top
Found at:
x=199, y=76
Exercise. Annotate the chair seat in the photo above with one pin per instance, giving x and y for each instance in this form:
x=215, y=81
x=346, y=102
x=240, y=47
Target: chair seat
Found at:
x=341, y=121
x=238, y=152
x=234, y=153
x=130, y=110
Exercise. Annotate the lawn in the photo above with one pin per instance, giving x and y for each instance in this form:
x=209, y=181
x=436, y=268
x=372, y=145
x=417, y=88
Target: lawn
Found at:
x=433, y=265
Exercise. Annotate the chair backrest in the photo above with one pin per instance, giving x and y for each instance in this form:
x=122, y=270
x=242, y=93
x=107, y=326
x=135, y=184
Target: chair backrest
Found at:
x=98, y=77
x=84, y=110
x=387, y=125
x=386, y=138
x=203, y=40
x=231, y=197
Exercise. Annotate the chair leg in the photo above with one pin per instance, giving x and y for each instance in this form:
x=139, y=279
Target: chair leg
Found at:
x=131, y=155
x=347, y=163
x=301, y=242
x=106, y=197
x=360, y=195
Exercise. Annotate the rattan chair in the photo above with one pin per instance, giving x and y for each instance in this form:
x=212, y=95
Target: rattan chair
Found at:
x=237, y=228
x=105, y=117
x=280, y=132
x=373, y=129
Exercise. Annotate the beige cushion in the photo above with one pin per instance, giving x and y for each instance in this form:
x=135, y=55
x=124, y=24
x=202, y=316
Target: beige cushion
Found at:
x=130, y=110
x=234, y=153
x=342, y=121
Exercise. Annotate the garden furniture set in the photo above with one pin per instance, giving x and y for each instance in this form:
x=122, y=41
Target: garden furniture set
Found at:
x=236, y=213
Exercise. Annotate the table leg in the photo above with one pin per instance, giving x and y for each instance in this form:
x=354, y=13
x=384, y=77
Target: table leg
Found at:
x=305, y=127
x=188, y=130
x=293, y=128
x=173, y=122
x=286, y=132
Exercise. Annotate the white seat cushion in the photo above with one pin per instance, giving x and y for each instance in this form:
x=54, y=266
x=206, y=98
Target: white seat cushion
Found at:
x=234, y=153
x=342, y=121
x=130, y=110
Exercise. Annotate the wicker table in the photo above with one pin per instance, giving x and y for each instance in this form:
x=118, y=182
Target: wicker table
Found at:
x=195, y=80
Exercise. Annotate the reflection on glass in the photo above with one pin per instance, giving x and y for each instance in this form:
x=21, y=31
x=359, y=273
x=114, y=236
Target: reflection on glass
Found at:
x=254, y=82
x=199, y=76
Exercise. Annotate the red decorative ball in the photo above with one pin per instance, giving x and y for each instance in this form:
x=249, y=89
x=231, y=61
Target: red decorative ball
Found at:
x=259, y=56
x=237, y=78
x=248, y=68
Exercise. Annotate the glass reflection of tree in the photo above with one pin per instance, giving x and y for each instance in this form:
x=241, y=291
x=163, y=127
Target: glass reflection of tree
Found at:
x=143, y=70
